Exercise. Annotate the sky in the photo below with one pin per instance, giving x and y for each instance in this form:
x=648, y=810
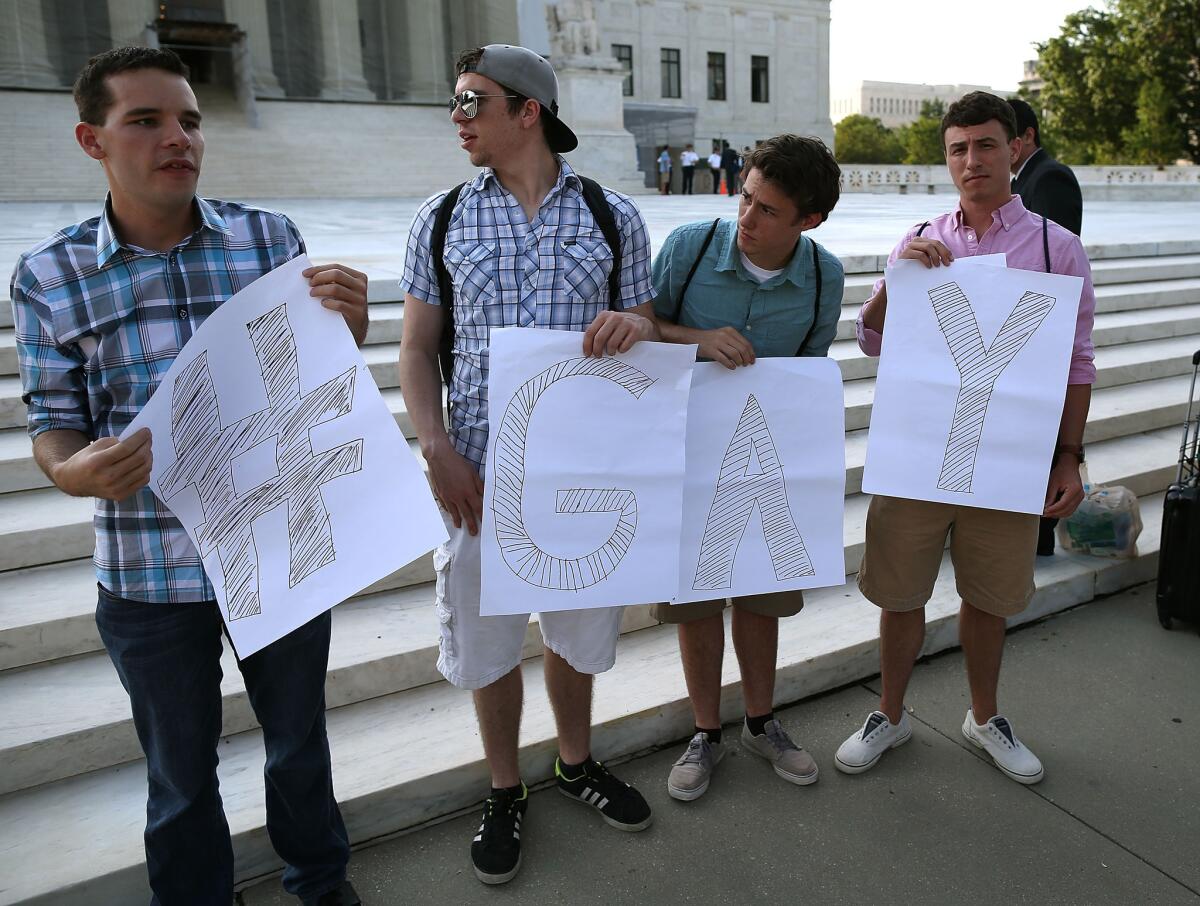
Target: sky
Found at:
x=944, y=42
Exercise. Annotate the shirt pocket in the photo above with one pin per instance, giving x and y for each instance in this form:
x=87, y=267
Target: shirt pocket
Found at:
x=473, y=272
x=587, y=264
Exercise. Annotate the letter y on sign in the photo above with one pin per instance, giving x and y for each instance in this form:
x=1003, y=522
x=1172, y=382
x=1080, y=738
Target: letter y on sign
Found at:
x=978, y=366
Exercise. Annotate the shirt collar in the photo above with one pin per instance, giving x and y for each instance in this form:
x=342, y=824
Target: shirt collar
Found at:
x=565, y=175
x=108, y=243
x=729, y=259
x=1007, y=215
x=1021, y=169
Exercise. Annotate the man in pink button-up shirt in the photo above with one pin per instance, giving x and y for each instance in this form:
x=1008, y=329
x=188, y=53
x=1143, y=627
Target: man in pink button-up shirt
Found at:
x=992, y=550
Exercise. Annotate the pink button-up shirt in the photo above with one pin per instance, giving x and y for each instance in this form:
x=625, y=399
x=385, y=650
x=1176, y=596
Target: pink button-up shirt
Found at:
x=1018, y=234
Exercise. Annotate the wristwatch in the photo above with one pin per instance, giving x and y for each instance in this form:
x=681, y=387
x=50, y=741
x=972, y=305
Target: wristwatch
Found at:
x=1075, y=450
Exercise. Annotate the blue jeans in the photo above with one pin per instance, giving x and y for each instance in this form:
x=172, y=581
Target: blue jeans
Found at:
x=168, y=659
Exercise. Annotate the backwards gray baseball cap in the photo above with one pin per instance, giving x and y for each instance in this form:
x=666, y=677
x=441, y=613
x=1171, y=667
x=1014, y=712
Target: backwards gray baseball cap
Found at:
x=528, y=73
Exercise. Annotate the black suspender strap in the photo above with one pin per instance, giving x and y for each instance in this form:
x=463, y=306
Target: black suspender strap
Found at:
x=921, y=228
x=593, y=194
x=437, y=252
x=712, y=231
x=816, y=300
x=1046, y=242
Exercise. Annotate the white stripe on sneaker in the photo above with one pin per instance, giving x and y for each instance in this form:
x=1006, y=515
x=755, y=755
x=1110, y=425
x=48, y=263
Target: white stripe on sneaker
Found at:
x=602, y=803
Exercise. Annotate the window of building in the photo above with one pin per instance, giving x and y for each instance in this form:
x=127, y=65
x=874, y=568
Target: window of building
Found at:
x=716, y=76
x=760, y=81
x=623, y=53
x=670, y=73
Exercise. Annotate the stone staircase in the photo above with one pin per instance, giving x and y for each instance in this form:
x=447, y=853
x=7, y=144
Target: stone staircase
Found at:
x=405, y=745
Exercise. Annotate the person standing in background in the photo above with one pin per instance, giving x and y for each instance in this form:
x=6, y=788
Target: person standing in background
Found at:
x=714, y=164
x=664, y=171
x=1048, y=188
x=688, y=160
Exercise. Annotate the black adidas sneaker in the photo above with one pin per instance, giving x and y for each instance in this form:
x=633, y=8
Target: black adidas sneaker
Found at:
x=617, y=802
x=496, y=849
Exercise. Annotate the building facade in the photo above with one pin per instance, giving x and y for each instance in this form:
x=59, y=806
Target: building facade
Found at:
x=698, y=71
x=898, y=103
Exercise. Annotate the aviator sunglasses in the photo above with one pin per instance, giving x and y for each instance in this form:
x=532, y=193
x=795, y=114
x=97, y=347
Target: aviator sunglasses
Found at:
x=469, y=102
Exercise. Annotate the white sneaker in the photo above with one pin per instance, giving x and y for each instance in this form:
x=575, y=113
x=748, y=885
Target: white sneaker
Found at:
x=860, y=752
x=1010, y=755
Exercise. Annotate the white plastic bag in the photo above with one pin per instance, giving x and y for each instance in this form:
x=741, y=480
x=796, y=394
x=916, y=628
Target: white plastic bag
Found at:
x=1106, y=524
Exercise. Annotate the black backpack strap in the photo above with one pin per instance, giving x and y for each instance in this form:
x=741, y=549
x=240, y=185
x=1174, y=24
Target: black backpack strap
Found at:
x=921, y=228
x=712, y=231
x=816, y=300
x=593, y=194
x=1046, y=242
x=437, y=251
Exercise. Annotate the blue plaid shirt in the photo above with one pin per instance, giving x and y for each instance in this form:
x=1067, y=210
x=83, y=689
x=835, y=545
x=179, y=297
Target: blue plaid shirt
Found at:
x=508, y=272
x=98, y=323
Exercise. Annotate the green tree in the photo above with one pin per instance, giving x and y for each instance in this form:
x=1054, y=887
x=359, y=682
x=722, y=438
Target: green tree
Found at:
x=859, y=139
x=935, y=109
x=1165, y=38
x=922, y=140
x=1154, y=139
x=1121, y=82
x=1091, y=88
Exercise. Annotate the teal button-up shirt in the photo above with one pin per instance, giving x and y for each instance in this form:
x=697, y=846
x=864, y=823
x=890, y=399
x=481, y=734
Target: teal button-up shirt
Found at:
x=775, y=316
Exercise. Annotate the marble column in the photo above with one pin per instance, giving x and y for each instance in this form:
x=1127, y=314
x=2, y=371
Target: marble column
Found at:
x=128, y=21
x=251, y=17
x=24, y=58
x=425, y=43
x=343, y=76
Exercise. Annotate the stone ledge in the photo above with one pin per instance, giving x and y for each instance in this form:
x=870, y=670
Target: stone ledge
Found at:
x=81, y=840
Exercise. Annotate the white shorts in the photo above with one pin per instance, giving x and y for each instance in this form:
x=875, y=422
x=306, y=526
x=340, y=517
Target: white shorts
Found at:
x=476, y=651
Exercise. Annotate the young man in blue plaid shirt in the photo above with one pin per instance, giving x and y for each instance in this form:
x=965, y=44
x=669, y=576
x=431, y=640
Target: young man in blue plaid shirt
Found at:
x=522, y=249
x=102, y=308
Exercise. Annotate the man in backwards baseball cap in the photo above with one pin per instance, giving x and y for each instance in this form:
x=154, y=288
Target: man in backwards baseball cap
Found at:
x=523, y=246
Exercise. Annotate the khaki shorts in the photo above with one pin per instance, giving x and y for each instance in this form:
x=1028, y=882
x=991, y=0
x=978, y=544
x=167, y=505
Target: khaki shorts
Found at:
x=992, y=551
x=776, y=604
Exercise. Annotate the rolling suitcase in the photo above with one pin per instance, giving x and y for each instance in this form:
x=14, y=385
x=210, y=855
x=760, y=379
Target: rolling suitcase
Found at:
x=1178, y=592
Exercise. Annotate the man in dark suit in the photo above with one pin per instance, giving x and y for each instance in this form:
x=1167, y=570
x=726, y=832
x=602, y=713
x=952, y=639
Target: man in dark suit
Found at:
x=1048, y=188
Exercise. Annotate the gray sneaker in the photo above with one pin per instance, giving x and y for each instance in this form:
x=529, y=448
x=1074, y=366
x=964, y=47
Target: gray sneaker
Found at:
x=690, y=775
x=791, y=762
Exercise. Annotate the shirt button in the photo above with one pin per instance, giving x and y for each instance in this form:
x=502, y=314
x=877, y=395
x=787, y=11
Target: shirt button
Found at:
x=182, y=313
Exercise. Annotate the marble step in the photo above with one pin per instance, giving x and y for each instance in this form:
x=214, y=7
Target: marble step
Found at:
x=411, y=757
x=387, y=320
x=1110, y=264
x=387, y=323
x=44, y=526
x=1129, y=330
x=70, y=716
x=1126, y=350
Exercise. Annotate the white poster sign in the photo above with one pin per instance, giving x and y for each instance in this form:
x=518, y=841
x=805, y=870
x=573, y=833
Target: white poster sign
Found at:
x=584, y=480
x=274, y=448
x=764, y=492
x=971, y=384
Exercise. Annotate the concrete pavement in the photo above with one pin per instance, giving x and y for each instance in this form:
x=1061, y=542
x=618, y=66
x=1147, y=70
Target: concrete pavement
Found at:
x=1108, y=699
x=371, y=233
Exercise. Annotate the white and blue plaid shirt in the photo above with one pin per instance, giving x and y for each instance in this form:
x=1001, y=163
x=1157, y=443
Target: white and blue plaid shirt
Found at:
x=508, y=272
x=98, y=323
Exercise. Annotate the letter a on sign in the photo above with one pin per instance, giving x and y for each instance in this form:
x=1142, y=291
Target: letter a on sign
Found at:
x=750, y=474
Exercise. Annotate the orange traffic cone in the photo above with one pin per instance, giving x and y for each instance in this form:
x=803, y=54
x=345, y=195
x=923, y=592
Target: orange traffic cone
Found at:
x=723, y=190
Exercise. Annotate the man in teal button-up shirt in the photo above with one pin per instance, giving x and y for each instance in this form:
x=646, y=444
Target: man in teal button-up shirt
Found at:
x=757, y=287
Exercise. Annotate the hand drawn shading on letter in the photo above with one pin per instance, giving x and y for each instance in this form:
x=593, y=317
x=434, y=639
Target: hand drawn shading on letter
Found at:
x=739, y=488
x=521, y=553
x=978, y=367
x=206, y=450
